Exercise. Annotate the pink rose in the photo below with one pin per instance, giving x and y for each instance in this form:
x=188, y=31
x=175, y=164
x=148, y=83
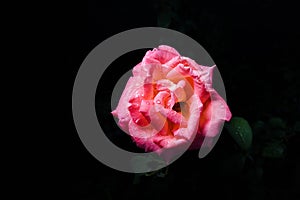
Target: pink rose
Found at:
x=168, y=99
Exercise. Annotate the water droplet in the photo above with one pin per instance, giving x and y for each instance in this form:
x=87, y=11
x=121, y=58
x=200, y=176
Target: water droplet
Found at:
x=137, y=95
x=242, y=138
x=137, y=121
x=142, y=95
x=158, y=101
x=204, y=73
x=185, y=68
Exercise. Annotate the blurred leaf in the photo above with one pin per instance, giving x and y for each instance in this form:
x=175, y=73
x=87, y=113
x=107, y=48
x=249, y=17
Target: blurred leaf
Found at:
x=146, y=163
x=163, y=172
x=274, y=150
x=240, y=131
x=297, y=127
x=277, y=123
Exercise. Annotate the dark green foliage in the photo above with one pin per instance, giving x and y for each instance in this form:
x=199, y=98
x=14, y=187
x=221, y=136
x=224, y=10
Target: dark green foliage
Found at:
x=270, y=138
x=240, y=131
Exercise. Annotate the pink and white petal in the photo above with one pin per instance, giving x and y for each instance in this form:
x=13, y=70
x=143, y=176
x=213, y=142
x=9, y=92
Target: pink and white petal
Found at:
x=138, y=70
x=178, y=73
x=162, y=55
x=192, y=63
x=172, y=101
x=146, y=143
x=171, y=115
x=133, y=85
x=157, y=119
x=172, y=142
x=152, y=143
x=137, y=131
x=162, y=98
x=177, y=118
x=200, y=90
x=172, y=63
x=168, y=49
x=148, y=91
x=145, y=106
x=214, y=114
x=207, y=75
x=151, y=72
x=193, y=121
x=165, y=84
x=150, y=58
x=180, y=91
x=144, y=70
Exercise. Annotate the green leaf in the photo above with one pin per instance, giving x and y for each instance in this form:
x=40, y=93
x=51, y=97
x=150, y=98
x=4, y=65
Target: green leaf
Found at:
x=240, y=131
x=277, y=123
x=274, y=150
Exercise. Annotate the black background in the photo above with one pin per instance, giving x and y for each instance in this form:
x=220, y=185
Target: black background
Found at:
x=255, y=46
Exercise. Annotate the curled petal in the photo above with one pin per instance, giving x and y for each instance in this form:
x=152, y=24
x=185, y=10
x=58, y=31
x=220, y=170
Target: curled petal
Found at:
x=215, y=112
x=160, y=55
x=193, y=121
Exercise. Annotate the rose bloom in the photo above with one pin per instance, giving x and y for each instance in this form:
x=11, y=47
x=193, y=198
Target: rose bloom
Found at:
x=169, y=101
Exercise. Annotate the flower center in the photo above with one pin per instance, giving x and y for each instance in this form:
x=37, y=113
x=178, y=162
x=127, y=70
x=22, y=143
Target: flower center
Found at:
x=177, y=106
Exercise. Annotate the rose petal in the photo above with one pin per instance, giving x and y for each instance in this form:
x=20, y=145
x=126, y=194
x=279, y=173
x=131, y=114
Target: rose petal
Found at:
x=162, y=98
x=158, y=120
x=161, y=55
x=215, y=112
x=132, y=86
x=145, y=106
x=153, y=143
x=172, y=115
x=193, y=121
x=141, y=131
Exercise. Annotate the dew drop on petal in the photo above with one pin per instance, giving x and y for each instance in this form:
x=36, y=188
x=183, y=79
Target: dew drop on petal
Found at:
x=137, y=121
x=158, y=101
